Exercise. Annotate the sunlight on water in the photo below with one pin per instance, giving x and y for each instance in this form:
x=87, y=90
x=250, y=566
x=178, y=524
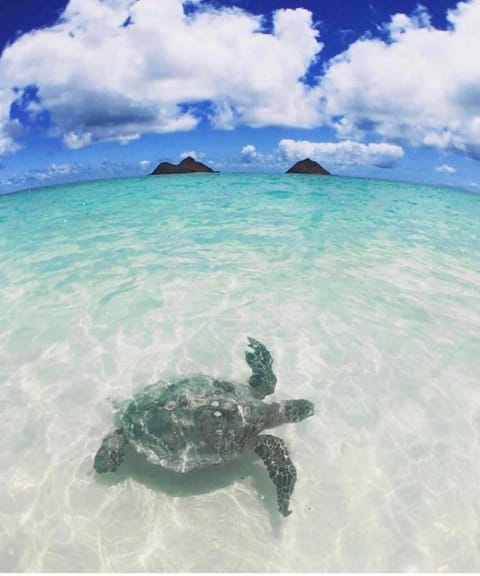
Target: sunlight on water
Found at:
x=367, y=294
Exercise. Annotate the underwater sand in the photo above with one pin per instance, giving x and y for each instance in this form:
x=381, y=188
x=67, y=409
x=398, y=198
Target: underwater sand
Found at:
x=367, y=294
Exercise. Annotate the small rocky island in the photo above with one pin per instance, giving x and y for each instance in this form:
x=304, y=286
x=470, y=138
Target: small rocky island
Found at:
x=186, y=166
x=308, y=166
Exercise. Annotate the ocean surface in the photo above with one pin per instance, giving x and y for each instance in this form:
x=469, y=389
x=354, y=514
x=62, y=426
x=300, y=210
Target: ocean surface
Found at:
x=367, y=294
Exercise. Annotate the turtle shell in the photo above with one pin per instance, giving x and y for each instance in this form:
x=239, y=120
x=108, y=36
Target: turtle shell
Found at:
x=193, y=422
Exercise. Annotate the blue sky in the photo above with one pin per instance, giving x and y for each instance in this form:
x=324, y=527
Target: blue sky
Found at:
x=106, y=88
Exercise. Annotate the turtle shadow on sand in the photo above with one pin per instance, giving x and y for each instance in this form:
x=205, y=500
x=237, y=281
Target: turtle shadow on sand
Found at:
x=193, y=424
x=198, y=481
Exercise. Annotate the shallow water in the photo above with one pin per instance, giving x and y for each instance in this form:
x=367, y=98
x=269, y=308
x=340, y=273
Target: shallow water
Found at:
x=367, y=294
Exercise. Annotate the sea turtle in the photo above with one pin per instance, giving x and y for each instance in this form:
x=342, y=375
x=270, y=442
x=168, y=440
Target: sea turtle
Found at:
x=198, y=421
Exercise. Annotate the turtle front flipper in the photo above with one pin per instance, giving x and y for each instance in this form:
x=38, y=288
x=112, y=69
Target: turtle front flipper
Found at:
x=274, y=453
x=263, y=379
x=111, y=453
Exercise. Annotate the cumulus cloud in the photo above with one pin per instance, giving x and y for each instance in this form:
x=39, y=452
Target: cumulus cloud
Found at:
x=7, y=126
x=346, y=153
x=445, y=169
x=421, y=85
x=115, y=69
x=249, y=153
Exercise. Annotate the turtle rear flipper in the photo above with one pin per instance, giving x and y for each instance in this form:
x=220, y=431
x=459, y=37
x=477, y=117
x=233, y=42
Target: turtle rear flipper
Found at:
x=274, y=453
x=111, y=453
x=263, y=379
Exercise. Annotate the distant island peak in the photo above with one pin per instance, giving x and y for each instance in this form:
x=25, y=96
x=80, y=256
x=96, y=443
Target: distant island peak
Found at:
x=308, y=166
x=186, y=166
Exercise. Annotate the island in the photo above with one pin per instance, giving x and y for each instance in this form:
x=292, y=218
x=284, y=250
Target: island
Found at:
x=308, y=166
x=186, y=166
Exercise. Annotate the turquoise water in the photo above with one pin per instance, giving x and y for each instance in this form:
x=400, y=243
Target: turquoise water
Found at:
x=367, y=293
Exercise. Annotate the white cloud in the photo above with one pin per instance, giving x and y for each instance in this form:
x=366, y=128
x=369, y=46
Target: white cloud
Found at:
x=421, y=86
x=344, y=153
x=7, y=126
x=37, y=177
x=193, y=154
x=446, y=169
x=102, y=80
x=56, y=169
x=75, y=140
x=249, y=153
x=223, y=116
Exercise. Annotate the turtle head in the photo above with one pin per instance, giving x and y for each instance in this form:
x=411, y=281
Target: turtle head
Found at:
x=298, y=410
x=111, y=453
